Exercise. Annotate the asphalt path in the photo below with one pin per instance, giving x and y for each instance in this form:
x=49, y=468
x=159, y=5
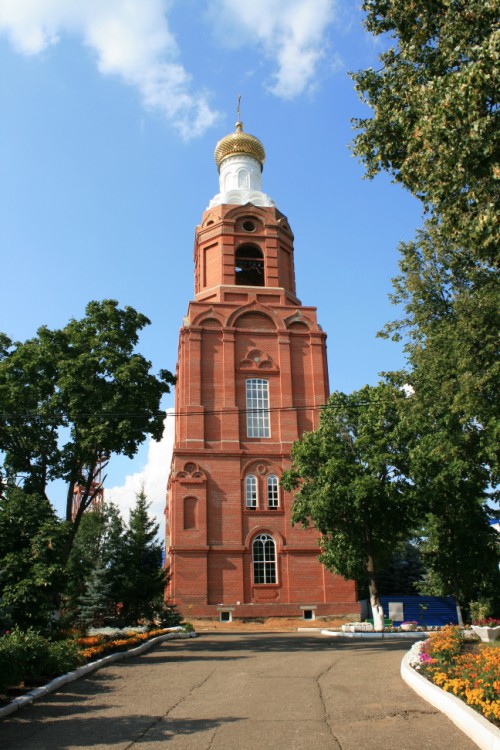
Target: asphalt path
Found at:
x=282, y=691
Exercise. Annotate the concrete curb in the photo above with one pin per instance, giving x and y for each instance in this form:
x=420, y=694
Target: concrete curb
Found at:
x=416, y=635
x=58, y=682
x=476, y=727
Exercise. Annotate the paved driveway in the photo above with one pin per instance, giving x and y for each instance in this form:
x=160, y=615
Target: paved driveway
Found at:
x=277, y=691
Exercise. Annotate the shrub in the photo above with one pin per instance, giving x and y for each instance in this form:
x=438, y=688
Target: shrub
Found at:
x=479, y=610
x=64, y=656
x=26, y=656
x=29, y=652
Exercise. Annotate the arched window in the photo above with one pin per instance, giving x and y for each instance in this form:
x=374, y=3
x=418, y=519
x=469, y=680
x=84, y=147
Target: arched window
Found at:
x=251, y=491
x=273, y=491
x=264, y=559
x=244, y=179
x=257, y=403
x=249, y=266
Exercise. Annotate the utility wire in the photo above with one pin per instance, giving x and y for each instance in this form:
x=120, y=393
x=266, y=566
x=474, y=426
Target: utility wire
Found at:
x=206, y=412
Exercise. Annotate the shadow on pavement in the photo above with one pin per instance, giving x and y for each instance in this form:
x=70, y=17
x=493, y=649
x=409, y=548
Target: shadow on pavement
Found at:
x=89, y=731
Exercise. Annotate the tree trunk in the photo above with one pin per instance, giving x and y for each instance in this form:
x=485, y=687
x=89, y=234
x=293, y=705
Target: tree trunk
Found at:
x=377, y=611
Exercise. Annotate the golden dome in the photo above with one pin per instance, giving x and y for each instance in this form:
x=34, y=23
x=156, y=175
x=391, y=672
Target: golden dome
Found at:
x=239, y=143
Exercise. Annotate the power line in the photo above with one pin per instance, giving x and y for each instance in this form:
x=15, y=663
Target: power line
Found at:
x=204, y=412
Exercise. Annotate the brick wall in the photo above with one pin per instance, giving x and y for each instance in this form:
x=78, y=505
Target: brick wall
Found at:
x=233, y=333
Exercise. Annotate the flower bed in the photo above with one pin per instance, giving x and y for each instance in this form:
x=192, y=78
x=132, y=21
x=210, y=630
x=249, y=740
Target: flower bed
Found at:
x=468, y=670
x=27, y=659
x=103, y=643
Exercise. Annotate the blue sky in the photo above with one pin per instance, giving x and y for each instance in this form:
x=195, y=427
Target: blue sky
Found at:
x=110, y=112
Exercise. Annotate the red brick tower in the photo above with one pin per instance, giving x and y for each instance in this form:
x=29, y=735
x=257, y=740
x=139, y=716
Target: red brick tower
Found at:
x=252, y=374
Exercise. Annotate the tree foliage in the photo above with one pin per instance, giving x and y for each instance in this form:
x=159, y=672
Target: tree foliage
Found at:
x=404, y=572
x=436, y=111
x=99, y=542
x=115, y=569
x=32, y=540
x=351, y=481
x=450, y=327
x=435, y=129
x=71, y=398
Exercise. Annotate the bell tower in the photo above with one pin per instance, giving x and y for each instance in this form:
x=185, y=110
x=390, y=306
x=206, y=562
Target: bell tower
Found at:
x=251, y=378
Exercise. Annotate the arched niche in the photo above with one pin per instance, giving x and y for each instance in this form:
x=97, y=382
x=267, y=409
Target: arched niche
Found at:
x=255, y=320
x=298, y=326
x=190, y=513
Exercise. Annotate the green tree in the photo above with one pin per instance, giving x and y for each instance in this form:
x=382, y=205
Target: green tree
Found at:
x=71, y=398
x=435, y=129
x=450, y=328
x=32, y=540
x=145, y=582
x=436, y=111
x=95, y=606
x=351, y=481
x=99, y=543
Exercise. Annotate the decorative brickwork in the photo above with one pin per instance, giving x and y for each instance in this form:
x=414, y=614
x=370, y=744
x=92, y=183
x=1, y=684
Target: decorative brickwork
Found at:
x=224, y=508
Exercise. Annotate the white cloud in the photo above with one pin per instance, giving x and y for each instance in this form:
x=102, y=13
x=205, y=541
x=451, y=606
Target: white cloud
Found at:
x=154, y=478
x=129, y=38
x=293, y=33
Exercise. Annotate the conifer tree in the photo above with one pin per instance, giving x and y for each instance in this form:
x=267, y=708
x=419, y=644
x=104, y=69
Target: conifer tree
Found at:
x=144, y=585
x=95, y=607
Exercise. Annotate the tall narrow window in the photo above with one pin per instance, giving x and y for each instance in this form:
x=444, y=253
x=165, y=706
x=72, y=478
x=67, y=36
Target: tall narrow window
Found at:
x=249, y=266
x=264, y=559
x=251, y=491
x=258, y=424
x=272, y=491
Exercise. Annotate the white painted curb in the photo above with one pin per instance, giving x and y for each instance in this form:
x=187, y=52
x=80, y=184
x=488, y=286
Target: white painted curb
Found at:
x=416, y=635
x=476, y=727
x=50, y=687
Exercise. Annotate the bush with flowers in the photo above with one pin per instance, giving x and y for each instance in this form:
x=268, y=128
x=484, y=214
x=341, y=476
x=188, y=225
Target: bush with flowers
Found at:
x=468, y=670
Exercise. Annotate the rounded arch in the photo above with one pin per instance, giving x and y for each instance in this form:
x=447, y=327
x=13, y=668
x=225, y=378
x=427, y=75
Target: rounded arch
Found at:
x=191, y=470
x=256, y=307
x=259, y=467
x=277, y=536
x=211, y=323
x=298, y=323
x=209, y=319
x=299, y=326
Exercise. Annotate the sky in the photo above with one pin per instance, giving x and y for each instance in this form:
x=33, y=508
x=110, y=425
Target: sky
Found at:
x=110, y=111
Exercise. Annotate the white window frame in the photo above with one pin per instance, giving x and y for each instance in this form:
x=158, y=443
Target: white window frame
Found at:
x=264, y=560
x=251, y=492
x=257, y=405
x=273, y=492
